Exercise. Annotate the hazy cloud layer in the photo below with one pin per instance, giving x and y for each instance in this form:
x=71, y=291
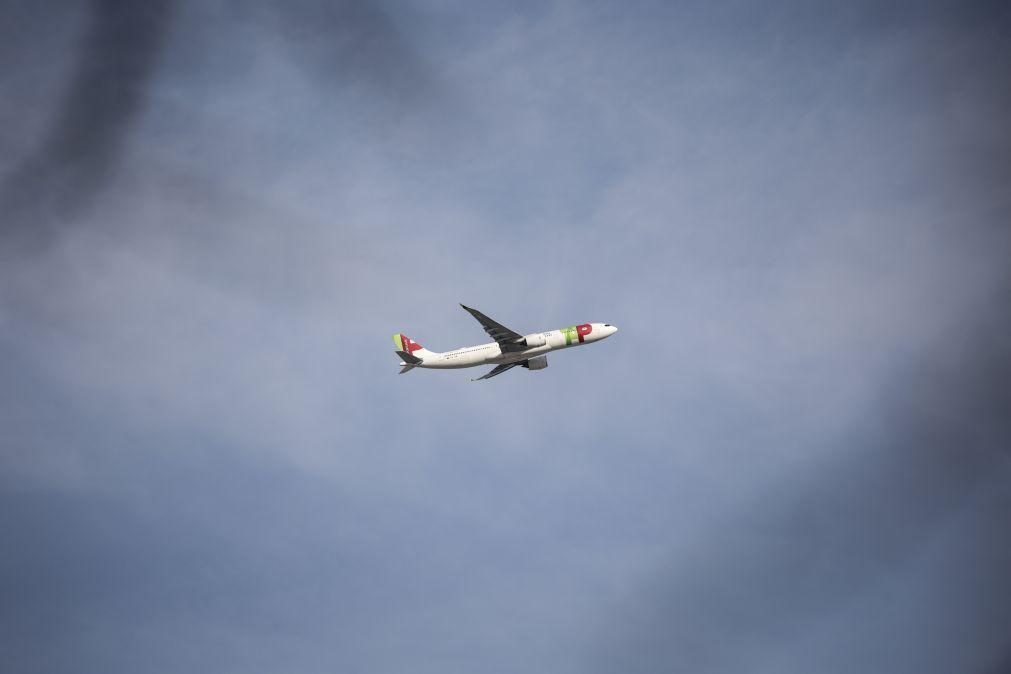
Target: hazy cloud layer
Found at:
x=794, y=456
x=113, y=62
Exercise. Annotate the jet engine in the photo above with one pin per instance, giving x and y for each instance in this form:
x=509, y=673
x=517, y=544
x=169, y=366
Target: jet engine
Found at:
x=535, y=340
x=538, y=363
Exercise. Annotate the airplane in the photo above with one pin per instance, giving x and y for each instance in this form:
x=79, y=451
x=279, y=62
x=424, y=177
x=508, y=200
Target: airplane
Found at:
x=507, y=351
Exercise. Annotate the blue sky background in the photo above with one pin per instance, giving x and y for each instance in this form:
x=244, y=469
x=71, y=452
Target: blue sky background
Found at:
x=795, y=456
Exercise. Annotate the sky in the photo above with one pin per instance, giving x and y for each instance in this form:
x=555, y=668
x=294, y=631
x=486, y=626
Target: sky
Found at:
x=794, y=456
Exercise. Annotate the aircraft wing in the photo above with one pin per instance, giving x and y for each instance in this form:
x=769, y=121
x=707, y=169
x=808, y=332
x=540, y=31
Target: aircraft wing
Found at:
x=498, y=370
x=507, y=339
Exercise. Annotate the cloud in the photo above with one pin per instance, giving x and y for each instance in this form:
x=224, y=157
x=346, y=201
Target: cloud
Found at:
x=793, y=456
x=117, y=57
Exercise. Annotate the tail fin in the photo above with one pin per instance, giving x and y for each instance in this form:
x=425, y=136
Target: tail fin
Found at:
x=409, y=351
x=404, y=343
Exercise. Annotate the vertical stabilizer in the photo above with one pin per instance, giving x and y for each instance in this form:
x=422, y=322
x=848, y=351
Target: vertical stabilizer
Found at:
x=409, y=350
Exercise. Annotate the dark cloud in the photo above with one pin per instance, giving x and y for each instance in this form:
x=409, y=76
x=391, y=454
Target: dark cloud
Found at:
x=115, y=59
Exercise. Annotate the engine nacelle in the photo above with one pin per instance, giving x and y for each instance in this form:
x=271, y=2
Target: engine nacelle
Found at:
x=538, y=363
x=535, y=340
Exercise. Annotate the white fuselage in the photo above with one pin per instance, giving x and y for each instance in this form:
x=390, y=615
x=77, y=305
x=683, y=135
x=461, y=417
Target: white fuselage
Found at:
x=492, y=354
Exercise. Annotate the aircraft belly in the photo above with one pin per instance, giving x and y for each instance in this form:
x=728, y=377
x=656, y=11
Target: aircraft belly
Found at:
x=471, y=357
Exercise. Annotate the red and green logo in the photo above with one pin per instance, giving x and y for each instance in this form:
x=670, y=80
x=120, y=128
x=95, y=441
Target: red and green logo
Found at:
x=405, y=343
x=576, y=333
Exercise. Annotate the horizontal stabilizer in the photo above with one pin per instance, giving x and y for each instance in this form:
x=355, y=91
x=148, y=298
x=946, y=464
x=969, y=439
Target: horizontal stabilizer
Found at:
x=407, y=368
x=408, y=358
